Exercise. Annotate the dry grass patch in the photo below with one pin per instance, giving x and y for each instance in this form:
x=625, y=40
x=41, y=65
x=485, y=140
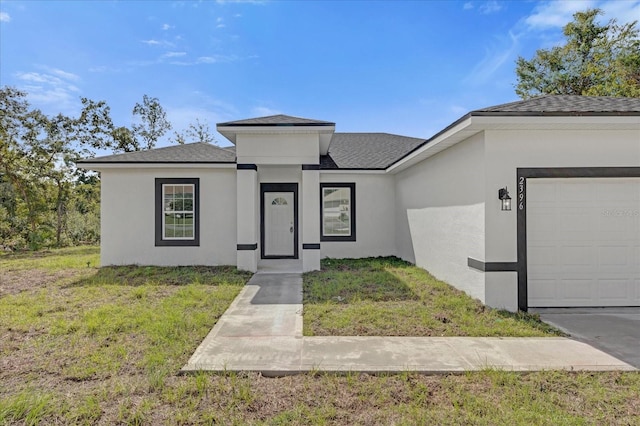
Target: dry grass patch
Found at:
x=390, y=297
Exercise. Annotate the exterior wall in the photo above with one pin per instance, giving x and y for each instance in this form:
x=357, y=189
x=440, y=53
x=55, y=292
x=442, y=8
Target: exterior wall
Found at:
x=507, y=150
x=439, y=217
x=310, y=218
x=375, y=216
x=248, y=229
x=278, y=149
x=128, y=225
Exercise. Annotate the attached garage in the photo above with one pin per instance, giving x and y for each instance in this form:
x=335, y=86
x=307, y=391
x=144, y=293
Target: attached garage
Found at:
x=583, y=242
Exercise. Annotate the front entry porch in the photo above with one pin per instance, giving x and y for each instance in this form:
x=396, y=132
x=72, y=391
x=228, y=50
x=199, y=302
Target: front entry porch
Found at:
x=280, y=266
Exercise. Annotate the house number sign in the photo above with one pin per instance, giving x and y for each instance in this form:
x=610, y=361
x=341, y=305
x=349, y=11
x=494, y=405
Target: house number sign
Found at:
x=521, y=193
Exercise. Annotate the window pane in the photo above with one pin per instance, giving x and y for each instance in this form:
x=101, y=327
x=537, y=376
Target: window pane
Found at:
x=336, y=211
x=169, y=225
x=188, y=225
x=178, y=204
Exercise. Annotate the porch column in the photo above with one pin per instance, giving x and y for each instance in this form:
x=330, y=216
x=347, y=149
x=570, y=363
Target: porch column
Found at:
x=248, y=211
x=310, y=217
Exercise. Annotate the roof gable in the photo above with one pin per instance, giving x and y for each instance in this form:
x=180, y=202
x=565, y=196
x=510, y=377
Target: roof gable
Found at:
x=276, y=120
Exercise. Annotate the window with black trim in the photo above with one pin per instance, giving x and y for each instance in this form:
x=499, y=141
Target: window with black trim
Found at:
x=338, y=211
x=177, y=212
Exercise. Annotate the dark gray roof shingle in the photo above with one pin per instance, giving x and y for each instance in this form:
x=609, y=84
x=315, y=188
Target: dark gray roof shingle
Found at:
x=277, y=120
x=566, y=105
x=199, y=152
x=376, y=150
x=366, y=150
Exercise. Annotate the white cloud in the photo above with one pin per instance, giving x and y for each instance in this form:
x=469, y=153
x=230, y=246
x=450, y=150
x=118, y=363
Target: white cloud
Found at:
x=495, y=57
x=63, y=74
x=4, y=17
x=154, y=42
x=174, y=54
x=52, y=89
x=556, y=14
x=623, y=11
x=215, y=59
x=242, y=1
x=490, y=7
x=166, y=27
x=467, y=6
x=262, y=111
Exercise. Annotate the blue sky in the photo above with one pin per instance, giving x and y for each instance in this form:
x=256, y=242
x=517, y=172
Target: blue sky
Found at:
x=405, y=67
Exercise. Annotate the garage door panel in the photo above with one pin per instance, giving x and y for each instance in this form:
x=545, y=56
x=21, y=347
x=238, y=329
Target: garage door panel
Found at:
x=576, y=255
x=616, y=291
x=613, y=256
x=578, y=191
x=583, y=242
x=574, y=221
x=577, y=290
x=543, y=255
x=543, y=290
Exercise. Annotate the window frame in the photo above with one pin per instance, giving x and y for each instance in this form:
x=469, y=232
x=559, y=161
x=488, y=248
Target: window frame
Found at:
x=352, y=211
x=160, y=239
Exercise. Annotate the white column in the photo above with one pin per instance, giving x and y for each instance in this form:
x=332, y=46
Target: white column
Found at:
x=248, y=210
x=310, y=217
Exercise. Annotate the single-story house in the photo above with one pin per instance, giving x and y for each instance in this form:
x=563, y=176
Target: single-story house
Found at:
x=533, y=203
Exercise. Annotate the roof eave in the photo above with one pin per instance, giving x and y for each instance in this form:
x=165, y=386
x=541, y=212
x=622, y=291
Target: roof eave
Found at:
x=554, y=114
x=98, y=166
x=231, y=132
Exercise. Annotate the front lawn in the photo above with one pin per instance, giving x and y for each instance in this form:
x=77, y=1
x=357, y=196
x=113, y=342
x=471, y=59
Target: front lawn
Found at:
x=81, y=345
x=390, y=297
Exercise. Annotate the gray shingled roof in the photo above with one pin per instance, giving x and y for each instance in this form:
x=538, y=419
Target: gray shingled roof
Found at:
x=366, y=150
x=199, y=152
x=277, y=120
x=566, y=105
x=375, y=150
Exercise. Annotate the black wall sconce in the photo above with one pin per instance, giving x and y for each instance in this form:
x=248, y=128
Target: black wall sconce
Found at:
x=503, y=195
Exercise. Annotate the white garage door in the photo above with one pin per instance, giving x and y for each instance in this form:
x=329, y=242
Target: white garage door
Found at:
x=583, y=242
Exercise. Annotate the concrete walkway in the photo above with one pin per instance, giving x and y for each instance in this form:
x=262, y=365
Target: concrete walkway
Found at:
x=262, y=331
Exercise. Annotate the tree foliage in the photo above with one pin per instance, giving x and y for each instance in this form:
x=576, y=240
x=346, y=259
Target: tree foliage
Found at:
x=44, y=199
x=196, y=132
x=596, y=60
x=153, y=121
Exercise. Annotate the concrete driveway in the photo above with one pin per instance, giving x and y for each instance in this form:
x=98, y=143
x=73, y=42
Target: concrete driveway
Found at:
x=615, y=331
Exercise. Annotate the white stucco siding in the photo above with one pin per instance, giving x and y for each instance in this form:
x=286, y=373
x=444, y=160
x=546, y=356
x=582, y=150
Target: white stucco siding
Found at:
x=278, y=148
x=508, y=150
x=128, y=218
x=440, y=214
x=375, y=216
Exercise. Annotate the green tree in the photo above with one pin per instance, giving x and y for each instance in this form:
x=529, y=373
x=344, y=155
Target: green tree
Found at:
x=196, y=132
x=596, y=60
x=44, y=199
x=37, y=168
x=153, y=121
